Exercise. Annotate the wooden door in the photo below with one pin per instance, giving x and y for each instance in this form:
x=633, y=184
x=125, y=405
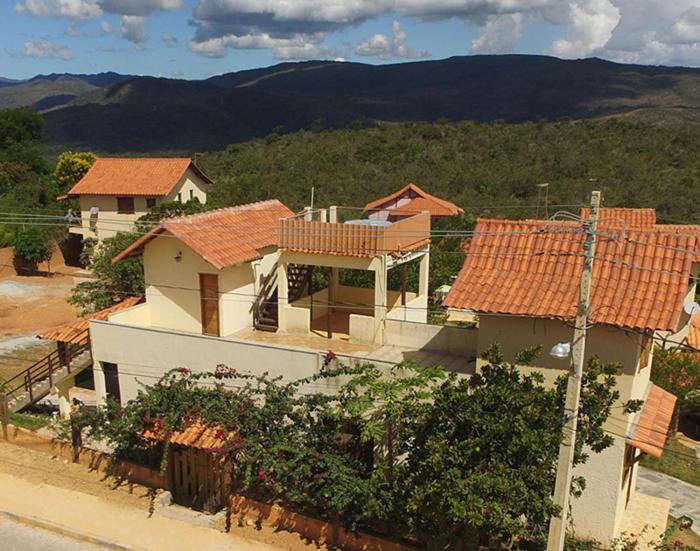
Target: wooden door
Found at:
x=209, y=298
x=200, y=480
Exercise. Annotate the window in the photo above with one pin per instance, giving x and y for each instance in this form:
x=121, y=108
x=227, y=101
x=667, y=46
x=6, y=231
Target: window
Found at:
x=150, y=202
x=125, y=205
x=191, y=194
x=644, y=356
x=111, y=372
x=179, y=197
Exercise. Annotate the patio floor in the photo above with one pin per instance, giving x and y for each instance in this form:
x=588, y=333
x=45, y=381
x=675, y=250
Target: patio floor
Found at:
x=645, y=517
x=340, y=345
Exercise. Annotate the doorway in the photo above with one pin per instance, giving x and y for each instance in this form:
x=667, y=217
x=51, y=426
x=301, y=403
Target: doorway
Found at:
x=209, y=299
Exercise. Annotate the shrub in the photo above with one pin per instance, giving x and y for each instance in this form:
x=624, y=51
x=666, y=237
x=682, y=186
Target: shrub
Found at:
x=33, y=245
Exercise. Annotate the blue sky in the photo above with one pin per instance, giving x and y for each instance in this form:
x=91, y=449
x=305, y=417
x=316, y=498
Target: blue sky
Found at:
x=198, y=38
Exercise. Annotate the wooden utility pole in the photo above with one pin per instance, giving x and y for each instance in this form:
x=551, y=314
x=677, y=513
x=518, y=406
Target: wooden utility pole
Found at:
x=565, y=464
x=4, y=415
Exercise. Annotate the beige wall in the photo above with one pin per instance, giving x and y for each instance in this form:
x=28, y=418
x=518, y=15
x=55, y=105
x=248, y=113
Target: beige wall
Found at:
x=598, y=513
x=172, y=287
x=109, y=222
x=145, y=354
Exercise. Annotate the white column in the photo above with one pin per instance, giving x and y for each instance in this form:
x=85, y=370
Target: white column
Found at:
x=98, y=376
x=424, y=274
x=282, y=294
x=323, y=214
x=63, y=390
x=380, y=300
x=333, y=214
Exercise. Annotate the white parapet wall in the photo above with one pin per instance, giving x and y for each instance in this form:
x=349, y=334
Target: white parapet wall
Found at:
x=423, y=336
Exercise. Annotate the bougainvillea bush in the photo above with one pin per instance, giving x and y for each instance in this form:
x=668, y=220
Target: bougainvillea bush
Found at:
x=412, y=451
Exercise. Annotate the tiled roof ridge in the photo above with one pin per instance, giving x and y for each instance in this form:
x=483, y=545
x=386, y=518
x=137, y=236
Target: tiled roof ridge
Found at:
x=420, y=191
x=255, y=205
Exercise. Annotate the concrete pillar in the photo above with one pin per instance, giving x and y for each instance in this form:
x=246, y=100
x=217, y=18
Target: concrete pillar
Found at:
x=308, y=214
x=424, y=274
x=380, y=300
x=63, y=390
x=282, y=294
x=98, y=377
x=333, y=214
x=323, y=214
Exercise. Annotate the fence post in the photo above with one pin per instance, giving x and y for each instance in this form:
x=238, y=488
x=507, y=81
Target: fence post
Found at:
x=28, y=385
x=76, y=436
x=4, y=415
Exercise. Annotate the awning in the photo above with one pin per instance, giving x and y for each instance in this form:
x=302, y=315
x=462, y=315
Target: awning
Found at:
x=196, y=435
x=650, y=429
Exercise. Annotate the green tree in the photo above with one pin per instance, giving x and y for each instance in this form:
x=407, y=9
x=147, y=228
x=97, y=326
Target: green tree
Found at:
x=71, y=167
x=33, y=245
x=678, y=372
x=169, y=210
x=112, y=283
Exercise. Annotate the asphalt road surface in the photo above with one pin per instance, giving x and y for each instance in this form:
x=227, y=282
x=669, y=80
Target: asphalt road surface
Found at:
x=20, y=537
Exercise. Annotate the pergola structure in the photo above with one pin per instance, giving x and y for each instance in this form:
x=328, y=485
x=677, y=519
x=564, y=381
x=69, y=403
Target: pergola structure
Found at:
x=319, y=239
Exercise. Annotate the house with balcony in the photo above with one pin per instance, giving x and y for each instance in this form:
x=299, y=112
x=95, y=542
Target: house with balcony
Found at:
x=521, y=278
x=260, y=288
x=116, y=192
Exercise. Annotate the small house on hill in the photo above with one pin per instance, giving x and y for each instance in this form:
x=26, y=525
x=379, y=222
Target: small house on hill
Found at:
x=409, y=201
x=522, y=279
x=115, y=192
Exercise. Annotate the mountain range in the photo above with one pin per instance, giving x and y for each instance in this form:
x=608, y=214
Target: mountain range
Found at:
x=115, y=113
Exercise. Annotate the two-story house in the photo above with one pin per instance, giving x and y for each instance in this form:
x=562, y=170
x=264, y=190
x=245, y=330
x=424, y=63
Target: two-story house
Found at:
x=522, y=279
x=115, y=192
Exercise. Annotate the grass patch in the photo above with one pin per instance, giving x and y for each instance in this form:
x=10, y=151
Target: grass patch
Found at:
x=29, y=422
x=678, y=461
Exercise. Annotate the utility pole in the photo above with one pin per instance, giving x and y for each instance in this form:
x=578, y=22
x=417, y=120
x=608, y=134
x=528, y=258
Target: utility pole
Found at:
x=565, y=464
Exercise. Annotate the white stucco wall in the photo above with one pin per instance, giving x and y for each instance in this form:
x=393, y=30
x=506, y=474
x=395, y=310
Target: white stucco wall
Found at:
x=110, y=222
x=172, y=287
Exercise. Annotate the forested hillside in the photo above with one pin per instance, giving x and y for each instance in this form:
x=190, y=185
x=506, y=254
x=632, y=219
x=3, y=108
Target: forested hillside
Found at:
x=475, y=165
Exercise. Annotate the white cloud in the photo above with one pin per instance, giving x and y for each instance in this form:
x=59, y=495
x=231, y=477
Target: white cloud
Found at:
x=385, y=47
x=72, y=9
x=133, y=28
x=106, y=27
x=169, y=40
x=499, y=35
x=140, y=7
x=591, y=25
x=44, y=50
x=297, y=47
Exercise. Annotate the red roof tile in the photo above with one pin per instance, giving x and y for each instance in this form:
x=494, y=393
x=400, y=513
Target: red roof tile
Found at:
x=196, y=435
x=533, y=268
x=651, y=428
x=222, y=237
x=627, y=218
x=420, y=201
x=73, y=331
x=136, y=176
x=694, y=332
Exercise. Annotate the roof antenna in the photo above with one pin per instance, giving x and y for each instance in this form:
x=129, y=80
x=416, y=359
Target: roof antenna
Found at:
x=544, y=186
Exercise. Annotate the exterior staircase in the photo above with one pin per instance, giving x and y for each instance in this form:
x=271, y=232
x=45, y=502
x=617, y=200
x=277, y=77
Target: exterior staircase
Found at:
x=266, y=309
x=35, y=382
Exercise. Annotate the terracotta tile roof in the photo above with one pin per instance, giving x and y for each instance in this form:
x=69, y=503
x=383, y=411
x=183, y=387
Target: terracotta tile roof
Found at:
x=135, y=176
x=623, y=217
x=420, y=201
x=222, y=237
x=694, y=332
x=651, y=428
x=532, y=268
x=73, y=331
x=197, y=435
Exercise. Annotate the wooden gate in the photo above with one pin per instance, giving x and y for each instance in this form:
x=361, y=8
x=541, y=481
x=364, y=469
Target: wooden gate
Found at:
x=201, y=480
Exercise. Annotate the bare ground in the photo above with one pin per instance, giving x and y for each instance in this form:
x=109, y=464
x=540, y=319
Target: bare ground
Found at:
x=40, y=468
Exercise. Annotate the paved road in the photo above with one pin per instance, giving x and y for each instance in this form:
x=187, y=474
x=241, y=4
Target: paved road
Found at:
x=19, y=537
x=684, y=497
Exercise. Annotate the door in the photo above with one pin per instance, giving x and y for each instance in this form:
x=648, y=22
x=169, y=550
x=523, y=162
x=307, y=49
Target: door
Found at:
x=209, y=298
x=111, y=372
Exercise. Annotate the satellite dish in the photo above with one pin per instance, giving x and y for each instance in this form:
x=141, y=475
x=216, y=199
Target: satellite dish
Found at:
x=691, y=308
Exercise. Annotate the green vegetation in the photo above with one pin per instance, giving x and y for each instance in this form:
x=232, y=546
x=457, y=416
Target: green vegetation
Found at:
x=33, y=244
x=677, y=460
x=71, y=167
x=679, y=373
x=481, y=167
x=29, y=422
x=112, y=282
x=387, y=450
